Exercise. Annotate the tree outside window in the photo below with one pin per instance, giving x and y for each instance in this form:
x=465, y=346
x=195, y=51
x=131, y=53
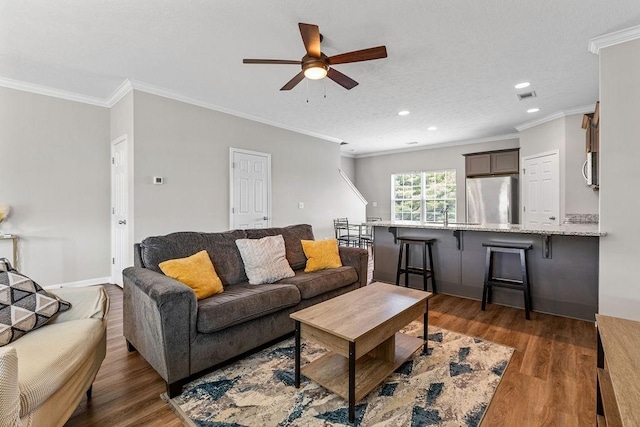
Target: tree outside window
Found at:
x=423, y=196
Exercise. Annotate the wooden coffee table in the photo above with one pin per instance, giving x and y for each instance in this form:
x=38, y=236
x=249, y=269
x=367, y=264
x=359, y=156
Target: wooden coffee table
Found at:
x=360, y=328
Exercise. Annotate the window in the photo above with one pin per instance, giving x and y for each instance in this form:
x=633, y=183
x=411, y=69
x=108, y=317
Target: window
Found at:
x=423, y=196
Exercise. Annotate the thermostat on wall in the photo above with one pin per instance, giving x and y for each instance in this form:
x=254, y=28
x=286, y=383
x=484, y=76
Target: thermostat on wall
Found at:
x=158, y=180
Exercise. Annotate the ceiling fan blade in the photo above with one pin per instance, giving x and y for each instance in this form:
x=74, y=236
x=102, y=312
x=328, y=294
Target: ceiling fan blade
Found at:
x=359, y=55
x=294, y=81
x=311, y=38
x=270, y=61
x=344, y=81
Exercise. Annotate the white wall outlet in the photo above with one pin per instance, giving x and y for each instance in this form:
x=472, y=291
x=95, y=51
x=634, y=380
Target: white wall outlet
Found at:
x=374, y=204
x=158, y=180
x=300, y=205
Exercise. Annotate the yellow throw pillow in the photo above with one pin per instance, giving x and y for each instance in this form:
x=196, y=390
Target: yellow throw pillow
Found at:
x=195, y=271
x=321, y=254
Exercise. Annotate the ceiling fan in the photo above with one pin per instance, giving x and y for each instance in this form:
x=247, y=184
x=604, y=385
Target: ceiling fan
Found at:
x=316, y=65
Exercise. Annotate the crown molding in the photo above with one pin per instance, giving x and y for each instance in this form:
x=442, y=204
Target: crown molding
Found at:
x=612, y=39
x=124, y=88
x=438, y=145
x=563, y=113
x=49, y=91
x=165, y=93
x=128, y=85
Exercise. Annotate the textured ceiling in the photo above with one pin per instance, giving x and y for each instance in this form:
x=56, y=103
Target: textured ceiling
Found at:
x=452, y=63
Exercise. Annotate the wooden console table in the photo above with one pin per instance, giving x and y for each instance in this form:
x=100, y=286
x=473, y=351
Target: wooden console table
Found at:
x=14, y=247
x=618, y=382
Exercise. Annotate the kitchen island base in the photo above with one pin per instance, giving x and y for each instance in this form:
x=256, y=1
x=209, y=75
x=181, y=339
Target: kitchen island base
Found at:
x=564, y=282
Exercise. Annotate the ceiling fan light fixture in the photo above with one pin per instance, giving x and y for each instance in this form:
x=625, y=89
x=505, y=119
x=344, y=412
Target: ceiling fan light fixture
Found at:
x=315, y=73
x=315, y=70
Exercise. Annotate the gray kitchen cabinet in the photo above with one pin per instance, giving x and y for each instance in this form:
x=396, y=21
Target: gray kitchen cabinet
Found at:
x=478, y=164
x=503, y=162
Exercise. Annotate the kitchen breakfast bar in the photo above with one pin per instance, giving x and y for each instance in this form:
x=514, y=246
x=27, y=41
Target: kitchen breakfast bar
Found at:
x=563, y=262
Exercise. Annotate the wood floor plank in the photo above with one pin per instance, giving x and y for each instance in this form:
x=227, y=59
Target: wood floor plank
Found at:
x=550, y=379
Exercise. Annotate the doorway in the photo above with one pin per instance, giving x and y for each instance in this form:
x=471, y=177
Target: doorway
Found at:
x=120, y=214
x=250, y=193
x=541, y=189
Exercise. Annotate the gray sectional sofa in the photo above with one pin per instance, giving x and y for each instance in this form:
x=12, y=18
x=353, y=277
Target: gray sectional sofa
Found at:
x=182, y=337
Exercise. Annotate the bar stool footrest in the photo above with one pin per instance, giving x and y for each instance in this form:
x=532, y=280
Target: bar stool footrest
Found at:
x=416, y=270
x=512, y=284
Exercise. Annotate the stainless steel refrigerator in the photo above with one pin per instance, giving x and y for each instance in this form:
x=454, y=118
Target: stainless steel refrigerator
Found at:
x=493, y=200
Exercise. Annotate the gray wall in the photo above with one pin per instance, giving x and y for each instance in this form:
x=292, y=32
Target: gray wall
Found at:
x=565, y=135
x=55, y=175
x=348, y=166
x=122, y=118
x=619, y=290
x=189, y=146
x=373, y=174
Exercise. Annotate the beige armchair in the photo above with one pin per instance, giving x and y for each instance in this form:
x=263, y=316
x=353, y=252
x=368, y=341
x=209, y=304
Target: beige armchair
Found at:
x=45, y=374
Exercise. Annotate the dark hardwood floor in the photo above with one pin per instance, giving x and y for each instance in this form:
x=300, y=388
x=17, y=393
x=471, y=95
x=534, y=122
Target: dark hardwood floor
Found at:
x=550, y=380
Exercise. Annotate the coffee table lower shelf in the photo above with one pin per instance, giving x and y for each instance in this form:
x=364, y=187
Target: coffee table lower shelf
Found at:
x=331, y=370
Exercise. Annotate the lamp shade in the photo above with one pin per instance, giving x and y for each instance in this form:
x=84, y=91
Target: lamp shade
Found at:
x=315, y=73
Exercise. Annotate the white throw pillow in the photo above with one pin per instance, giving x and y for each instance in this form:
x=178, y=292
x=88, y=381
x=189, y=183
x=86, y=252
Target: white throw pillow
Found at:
x=264, y=259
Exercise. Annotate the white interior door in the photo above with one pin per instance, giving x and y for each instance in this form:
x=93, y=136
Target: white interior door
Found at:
x=120, y=222
x=250, y=189
x=541, y=189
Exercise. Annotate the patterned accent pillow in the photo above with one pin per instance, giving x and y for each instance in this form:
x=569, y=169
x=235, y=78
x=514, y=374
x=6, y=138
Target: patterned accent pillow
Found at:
x=24, y=305
x=264, y=259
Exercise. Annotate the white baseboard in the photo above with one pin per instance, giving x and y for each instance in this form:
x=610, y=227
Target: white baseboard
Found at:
x=81, y=283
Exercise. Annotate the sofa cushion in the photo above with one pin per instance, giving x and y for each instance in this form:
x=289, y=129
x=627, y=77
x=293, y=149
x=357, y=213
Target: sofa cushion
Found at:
x=24, y=306
x=321, y=254
x=195, y=271
x=50, y=356
x=264, y=259
x=241, y=302
x=292, y=236
x=319, y=282
x=221, y=247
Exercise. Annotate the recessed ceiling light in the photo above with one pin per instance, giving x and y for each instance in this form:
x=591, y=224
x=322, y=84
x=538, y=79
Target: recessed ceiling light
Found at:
x=533, y=110
x=522, y=85
x=432, y=128
x=403, y=112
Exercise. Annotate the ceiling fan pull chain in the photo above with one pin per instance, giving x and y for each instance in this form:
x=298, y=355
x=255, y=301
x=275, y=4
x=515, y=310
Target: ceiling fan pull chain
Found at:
x=325, y=88
x=307, y=90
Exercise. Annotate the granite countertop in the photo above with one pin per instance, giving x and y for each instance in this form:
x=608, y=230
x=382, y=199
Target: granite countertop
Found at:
x=563, y=229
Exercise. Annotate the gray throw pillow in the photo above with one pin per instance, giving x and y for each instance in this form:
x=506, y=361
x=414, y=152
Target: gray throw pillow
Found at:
x=264, y=259
x=24, y=305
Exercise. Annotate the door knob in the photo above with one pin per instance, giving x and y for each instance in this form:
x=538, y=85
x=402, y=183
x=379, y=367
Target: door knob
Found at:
x=122, y=222
x=265, y=218
x=552, y=218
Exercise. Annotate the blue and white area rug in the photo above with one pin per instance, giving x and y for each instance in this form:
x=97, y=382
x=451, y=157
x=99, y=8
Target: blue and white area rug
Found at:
x=450, y=383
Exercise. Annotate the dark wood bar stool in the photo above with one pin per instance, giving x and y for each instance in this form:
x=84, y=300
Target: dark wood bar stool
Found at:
x=490, y=281
x=427, y=270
